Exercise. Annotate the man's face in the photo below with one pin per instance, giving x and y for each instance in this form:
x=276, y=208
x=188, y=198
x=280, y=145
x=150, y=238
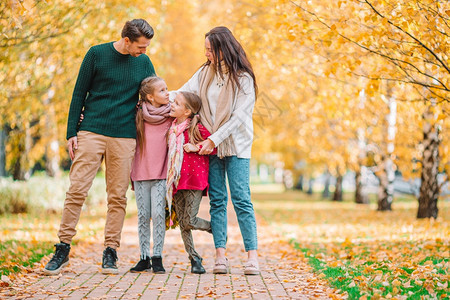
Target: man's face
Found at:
x=138, y=47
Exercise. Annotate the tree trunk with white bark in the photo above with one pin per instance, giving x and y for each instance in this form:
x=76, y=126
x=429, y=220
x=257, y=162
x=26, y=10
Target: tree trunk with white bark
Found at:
x=429, y=188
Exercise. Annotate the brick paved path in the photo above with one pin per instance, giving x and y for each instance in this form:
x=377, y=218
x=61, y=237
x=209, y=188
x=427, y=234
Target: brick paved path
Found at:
x=284, y=274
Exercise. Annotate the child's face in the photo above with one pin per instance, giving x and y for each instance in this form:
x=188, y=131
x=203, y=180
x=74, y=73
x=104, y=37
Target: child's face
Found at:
x=160, y=94
x=178, y=108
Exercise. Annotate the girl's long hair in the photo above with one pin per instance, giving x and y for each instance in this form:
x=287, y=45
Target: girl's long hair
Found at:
x=194, y=103
x=227, y=49
x=147, y=88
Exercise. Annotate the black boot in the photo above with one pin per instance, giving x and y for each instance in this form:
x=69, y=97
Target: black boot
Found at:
x=196, y=266
x=157, y=265
x=59, y=260
x=109, y=262
x=143, y=265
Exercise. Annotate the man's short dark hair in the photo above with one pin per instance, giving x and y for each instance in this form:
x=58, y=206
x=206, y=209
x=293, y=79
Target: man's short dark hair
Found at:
x=136, y=28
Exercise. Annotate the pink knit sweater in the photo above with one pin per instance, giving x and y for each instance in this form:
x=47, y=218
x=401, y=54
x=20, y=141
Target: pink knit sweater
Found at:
x=153, y=163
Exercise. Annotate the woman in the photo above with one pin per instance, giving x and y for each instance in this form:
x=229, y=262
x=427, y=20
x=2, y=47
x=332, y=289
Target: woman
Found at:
x=226, y=84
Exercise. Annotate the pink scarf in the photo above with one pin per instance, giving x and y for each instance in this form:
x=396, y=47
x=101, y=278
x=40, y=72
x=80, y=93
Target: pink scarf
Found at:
x=175, y=158
x=155, y=115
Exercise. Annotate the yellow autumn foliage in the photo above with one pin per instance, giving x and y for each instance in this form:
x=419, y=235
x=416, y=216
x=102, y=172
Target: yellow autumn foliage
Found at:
x=326, y=70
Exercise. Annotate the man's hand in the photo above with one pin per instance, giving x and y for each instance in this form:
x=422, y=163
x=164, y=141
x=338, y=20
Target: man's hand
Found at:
x=72, y=145
x=190, y=148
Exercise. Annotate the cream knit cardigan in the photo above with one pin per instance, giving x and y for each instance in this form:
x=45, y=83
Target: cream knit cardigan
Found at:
x=240, y=124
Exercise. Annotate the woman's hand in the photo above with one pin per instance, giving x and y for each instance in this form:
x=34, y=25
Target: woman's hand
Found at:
x=190, y=147
x=206, y=147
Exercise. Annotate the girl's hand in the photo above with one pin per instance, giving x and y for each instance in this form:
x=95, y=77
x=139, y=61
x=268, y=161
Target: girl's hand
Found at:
x=190, y=148
x=206, y=147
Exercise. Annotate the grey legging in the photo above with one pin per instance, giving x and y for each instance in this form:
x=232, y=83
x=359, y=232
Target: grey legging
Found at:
x=151, y=204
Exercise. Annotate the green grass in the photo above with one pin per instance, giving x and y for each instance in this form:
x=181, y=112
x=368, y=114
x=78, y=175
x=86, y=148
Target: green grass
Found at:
x=338, y=277
x=363, y=252
x=21, y=254
x=26, y=237
x=341, y=277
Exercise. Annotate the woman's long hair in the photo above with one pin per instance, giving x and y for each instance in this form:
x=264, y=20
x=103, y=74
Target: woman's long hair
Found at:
x=227, y=49
x=147, y=88
x=194, y=103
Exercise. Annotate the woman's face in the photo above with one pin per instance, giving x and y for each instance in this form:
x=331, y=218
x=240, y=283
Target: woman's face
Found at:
x=160, y=95
x=209, y=51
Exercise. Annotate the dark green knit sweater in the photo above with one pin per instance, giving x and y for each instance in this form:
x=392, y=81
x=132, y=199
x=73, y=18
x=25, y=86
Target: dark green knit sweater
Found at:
x=107, y=88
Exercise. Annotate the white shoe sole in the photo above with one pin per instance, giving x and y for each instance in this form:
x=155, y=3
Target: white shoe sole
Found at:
x=221, y=271
x=251, y=272
x=143, y=271
x=55, y=272
x=107, y=271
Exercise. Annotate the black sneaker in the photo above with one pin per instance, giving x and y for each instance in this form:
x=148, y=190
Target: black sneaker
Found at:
x=196, y=266
x=157, y=265
x=143, y=265
x=59, y=260
x=109, y=263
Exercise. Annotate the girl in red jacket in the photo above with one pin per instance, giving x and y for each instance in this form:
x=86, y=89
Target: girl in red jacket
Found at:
x=187, y=171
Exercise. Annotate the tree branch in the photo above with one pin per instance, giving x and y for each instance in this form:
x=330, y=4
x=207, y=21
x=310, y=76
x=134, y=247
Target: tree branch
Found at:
x=392, y=59
x=411, y=36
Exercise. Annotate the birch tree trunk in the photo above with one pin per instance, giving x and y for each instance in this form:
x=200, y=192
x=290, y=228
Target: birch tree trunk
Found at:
x=361, y=173
x=360, y=191
x=429, y=188
x=2, y=152
x=326, y=187
x=52, y=156
x=385, y=196
x=21, y=169
x=337, y=196
x=310, y=186
x=299, y=185
x=386, y=189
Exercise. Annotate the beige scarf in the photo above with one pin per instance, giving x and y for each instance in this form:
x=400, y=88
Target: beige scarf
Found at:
x=223, y=108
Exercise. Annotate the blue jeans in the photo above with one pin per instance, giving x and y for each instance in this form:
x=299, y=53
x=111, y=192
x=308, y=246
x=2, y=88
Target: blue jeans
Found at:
x=237, y=171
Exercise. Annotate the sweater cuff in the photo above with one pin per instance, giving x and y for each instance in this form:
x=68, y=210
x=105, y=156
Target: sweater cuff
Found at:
x=215, y=139
x=71, y=133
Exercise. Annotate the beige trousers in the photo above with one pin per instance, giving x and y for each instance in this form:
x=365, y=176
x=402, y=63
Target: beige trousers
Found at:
x=118, y=154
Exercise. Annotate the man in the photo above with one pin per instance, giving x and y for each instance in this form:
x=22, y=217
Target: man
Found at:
x=106, y=92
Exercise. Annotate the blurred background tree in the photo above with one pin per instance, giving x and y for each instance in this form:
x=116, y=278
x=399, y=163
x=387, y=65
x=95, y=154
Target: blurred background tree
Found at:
x=348, y=85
